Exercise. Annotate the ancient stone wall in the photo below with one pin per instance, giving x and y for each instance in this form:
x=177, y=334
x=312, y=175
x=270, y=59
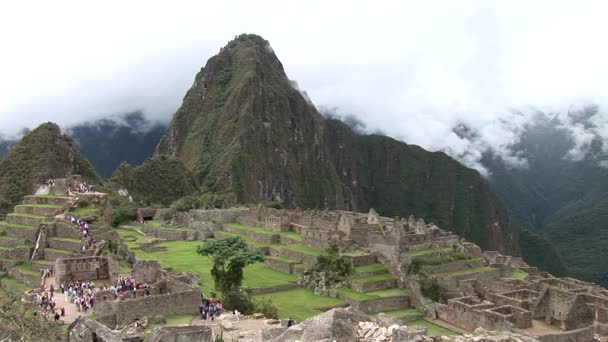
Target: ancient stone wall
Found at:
x=584, y=334
x=85, y=269
x=181, y=334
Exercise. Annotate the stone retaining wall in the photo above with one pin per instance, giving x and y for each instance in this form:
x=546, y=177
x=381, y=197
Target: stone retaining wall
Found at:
x=259, y=237
x=46, y=200
x=281, y=266
x=362, y=260
x=584, y=334
x=18, y=253
x=211, y=215
x=167, y=234
x=28, y=221
x=452, y=283
x=65, y=230
x=264, y=290
x=27, y=234
x=25, y=278
x=373, y=285
x=381, y=304
x=291, y=254
x=288, y=241
x=52, y=255
x=453, y=266
x=42, y=211
x=62, y=244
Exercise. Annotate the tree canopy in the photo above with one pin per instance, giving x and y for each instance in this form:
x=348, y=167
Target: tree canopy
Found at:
x=229, y=256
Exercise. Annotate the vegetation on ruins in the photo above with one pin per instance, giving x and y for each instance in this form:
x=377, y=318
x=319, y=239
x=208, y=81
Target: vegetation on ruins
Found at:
x=200, y=201
x=18, y=324
x=229, y=257
x=335, y=266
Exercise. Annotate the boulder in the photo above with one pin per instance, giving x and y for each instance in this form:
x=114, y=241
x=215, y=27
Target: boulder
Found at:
x=388, y=320
x=409, y=334
x=258, y=315
x=338, y=324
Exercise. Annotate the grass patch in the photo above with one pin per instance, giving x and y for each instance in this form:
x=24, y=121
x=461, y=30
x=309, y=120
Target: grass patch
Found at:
x=301, y=304
x=465, y=271
x=379, y=277
x=27, y=268
x=173, y=320
x=66, y=239
x=252, y=229
x=25, y=215
x=14, y=285
x=370, y=268
x=354, y=253
x=291, y=235
x=433, y=329
x=46, y=196
x=517, y=274
x=17, y=225
x=362, y=297
x=53, y=206
x=304, y=249
x=181, y=256
x=92, y=208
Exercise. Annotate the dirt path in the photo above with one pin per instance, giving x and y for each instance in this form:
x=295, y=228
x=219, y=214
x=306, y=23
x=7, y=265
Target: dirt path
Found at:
x=71, y=313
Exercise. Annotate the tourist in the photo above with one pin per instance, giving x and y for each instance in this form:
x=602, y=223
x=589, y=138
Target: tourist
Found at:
x=237, y=314
x=290, y=322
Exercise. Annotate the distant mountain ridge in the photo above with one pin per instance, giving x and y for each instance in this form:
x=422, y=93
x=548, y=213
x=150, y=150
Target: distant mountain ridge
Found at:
x=244, y=131
x=563, y=199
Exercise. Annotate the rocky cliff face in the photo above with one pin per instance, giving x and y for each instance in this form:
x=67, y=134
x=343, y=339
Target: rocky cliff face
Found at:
x=41, y=154
x=245, y=131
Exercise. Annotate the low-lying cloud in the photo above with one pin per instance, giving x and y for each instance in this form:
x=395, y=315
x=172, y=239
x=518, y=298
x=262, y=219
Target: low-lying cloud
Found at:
x=462, y=77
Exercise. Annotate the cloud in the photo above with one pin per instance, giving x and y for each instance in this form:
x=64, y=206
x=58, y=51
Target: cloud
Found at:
x=414, y=70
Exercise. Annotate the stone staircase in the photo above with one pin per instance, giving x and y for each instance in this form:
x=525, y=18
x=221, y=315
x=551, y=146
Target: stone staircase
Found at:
x=35, y=221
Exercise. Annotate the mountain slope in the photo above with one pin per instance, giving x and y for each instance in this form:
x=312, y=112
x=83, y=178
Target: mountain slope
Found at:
x=41, y=154
x=245, y=131
x=564, y=200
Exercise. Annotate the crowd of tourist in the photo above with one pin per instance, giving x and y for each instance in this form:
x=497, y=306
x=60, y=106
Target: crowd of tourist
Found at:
x=47, y=306
x=80, y=294
x=211, y=308
x=85, y=234
x=124, y=284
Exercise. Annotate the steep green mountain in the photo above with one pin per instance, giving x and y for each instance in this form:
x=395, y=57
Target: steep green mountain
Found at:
x=159, y=180
x=564, y=200
x=245, y=131
x=5, y=145
x=41, y=154
x=129, y=138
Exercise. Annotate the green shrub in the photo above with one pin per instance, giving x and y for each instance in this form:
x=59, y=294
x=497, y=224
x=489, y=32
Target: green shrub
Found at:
x=430, y=288
x=273, y=204
x=83, y=204
x=265, y=306
x=124, y=213
x=240, y=300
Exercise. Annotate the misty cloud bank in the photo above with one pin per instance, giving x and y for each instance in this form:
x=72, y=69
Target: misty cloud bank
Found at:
x=464, y=78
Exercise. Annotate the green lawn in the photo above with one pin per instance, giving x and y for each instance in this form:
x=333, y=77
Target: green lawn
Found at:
x=304, y=249
x=291, y=235
x=379, y=277
x=15, y=285
x=25, y=215
x=370, y=268
x=27, y=268
x=181, y=256
x=517, y=274
x=432, y=328
x=90, y=209
x=300, y=304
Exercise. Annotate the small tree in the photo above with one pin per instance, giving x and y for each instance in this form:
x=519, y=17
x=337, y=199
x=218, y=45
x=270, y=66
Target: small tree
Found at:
x=229, y=257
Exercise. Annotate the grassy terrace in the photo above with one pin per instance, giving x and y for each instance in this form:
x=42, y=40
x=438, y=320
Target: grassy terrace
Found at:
x=66, y=239
x=300, y=304
x=40, y=206
x=62, y=251
x=25, y=215
x=27, y=268
x=291, y=235
x=402, y=313
x=379, y=277
x=47, y=196
x=427, y=252
x=517, y=274
x=14, y=285
x=161, y=224
x=433, y=329
x=362, y=297
x=17, y=225
x=465, y=271
x=370, y=268
x=92, y=208
x=181, y=256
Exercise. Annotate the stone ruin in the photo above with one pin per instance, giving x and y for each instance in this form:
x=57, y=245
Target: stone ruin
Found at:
x=168, y=296
x=88, y=268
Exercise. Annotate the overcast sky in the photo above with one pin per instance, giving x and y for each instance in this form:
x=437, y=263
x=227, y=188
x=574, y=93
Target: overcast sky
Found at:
x=411, y=69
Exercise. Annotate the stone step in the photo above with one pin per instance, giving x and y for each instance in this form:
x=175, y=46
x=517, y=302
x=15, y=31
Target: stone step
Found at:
x=373, y=283
x=370, y=270
x=39, y=209
x=10, y=241
x=69, y=244
x=53, y=254
x=42, y=264
x=47, y=199
x=16, y=252
x=29, y=233
x=24, y=219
